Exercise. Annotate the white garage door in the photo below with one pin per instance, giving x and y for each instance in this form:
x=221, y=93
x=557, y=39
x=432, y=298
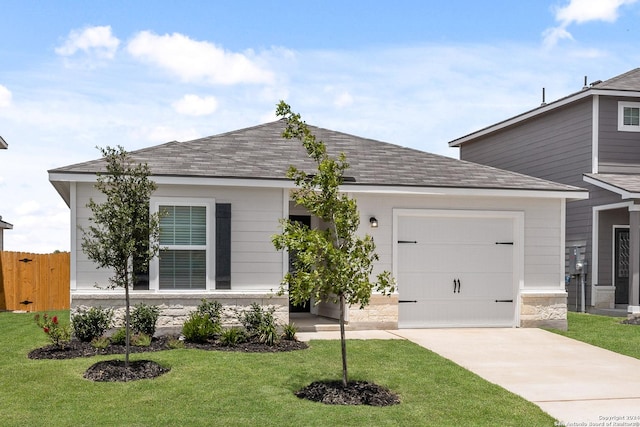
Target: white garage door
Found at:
x=456, y=269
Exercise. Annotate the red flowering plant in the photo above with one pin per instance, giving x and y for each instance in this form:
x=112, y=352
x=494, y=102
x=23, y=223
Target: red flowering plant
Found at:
x=58, y=334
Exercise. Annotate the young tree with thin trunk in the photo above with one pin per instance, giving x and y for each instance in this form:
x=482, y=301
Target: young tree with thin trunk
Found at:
x=333, y=264
x=123, y=231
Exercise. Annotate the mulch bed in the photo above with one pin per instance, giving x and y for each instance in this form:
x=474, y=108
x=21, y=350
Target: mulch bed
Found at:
x=77, y=348
x=632, y=321
x=115, y=370
x=355, y=393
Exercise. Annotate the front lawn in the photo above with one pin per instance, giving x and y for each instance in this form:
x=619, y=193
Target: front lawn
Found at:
x=604, y=331
x=229, y=389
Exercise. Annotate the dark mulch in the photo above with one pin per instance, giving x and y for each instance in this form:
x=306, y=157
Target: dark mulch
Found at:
x=115, y=370
x=356, y=393
x=632, y=321
x=77, y=348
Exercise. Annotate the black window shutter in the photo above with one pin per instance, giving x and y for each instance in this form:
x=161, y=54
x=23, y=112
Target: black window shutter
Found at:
x=223, y=245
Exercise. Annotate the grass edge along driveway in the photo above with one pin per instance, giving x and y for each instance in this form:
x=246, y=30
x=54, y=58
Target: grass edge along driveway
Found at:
x=603, y=331
x=228, y=388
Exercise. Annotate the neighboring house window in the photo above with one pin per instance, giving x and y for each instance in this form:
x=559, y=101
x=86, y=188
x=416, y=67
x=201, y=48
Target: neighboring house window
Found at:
x=629, y=116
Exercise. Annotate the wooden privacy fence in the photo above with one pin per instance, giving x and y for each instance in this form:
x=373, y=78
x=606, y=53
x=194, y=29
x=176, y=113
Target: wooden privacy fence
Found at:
x=34, y=282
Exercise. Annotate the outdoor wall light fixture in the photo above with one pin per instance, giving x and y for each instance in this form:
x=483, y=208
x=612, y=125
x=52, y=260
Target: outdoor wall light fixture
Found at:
x=374, y=222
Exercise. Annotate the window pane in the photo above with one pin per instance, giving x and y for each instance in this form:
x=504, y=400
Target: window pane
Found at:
x=183, y=225
x=183, y=269
x=631, y=116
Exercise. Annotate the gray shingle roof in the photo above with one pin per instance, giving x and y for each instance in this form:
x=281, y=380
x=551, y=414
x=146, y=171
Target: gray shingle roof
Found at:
x=626, y=81
x=260, y=152
x=629, y=183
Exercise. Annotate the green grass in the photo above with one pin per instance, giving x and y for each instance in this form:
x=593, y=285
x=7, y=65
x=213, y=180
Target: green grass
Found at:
x=229, y=389
x=603, y=331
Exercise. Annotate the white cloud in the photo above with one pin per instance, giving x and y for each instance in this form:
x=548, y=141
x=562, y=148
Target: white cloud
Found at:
x=580, y=12
x=95, y=41
x=5, y=97
x=193, y=105
x=343, y=100
x=193, y=60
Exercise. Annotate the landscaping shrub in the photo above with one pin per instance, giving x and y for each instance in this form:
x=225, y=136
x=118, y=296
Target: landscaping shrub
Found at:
x=257, y=319
x=119, y=337
x=91, y=323
x=57, y=333
x=100, y=342
x=198, y=328
x=232, y=336
x=141, y=340
x=289, y=332
x=144, y=318
x=268, y=333
x=213, y=309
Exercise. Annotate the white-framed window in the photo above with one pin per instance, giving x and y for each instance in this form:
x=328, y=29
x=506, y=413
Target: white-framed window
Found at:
x=185, y=242
x=629, y=116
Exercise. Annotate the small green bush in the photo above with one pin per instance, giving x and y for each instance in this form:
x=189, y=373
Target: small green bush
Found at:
x=268, y=333
x=198, y=328
x=59, y=334
x=232, y=336
x=141, y=340
x=88, y=324
x=212, y=308
x=257, y=319
x=144, y=318
x=289, y=332
x=119, y=337
x=100, y=342
x=174, y=343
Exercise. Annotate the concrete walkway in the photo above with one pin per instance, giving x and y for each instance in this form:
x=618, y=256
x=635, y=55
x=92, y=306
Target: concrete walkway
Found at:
x=574, y=382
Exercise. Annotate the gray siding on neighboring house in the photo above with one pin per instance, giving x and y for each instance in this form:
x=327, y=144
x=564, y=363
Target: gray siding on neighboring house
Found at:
x=617, y=151
x=554, y=146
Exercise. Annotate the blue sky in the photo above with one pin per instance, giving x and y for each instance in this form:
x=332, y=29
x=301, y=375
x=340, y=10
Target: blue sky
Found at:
x=414, y=73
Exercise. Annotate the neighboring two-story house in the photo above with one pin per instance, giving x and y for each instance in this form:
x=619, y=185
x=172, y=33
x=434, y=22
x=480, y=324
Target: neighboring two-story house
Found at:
x=590, y=139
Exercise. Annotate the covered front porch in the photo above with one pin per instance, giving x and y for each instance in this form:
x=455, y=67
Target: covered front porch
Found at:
x=616, y=244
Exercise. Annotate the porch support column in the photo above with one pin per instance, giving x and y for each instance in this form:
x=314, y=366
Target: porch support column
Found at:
x=634, y=255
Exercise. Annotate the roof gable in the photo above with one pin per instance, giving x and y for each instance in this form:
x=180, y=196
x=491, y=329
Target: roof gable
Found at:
x=260, y=152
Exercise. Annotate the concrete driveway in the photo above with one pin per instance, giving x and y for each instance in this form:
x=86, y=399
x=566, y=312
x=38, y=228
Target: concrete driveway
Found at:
x=574, y=382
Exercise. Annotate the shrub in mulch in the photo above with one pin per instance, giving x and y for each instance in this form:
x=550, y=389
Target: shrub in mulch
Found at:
x=355, y=393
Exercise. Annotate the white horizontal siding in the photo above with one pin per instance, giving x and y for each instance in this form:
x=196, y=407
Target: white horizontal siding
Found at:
x=255, y=264
x=542, y=229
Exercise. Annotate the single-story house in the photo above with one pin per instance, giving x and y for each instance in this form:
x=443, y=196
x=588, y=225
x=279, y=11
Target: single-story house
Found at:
x=469, y=245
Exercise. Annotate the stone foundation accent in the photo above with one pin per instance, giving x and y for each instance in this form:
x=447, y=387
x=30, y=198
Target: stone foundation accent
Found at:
x=175, y=309
x=604, y=296
x=544, y=310
x=381, y=313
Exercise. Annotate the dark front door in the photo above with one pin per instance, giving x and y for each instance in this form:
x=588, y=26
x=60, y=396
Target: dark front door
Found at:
x=306, y=307
x=621, y=265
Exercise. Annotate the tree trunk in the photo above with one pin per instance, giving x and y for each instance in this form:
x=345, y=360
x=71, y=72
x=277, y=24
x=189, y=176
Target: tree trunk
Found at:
x=126, y=324
x=343, y=342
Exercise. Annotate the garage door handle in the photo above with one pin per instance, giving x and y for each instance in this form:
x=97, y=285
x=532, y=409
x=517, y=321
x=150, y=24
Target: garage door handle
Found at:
x=504, y=243
x=456, y=283
x=407, y=241
x=504, y=300
x=407, y=300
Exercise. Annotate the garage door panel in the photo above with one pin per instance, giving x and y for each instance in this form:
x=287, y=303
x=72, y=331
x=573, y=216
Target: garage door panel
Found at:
x=456, y=253
x=456, y=258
